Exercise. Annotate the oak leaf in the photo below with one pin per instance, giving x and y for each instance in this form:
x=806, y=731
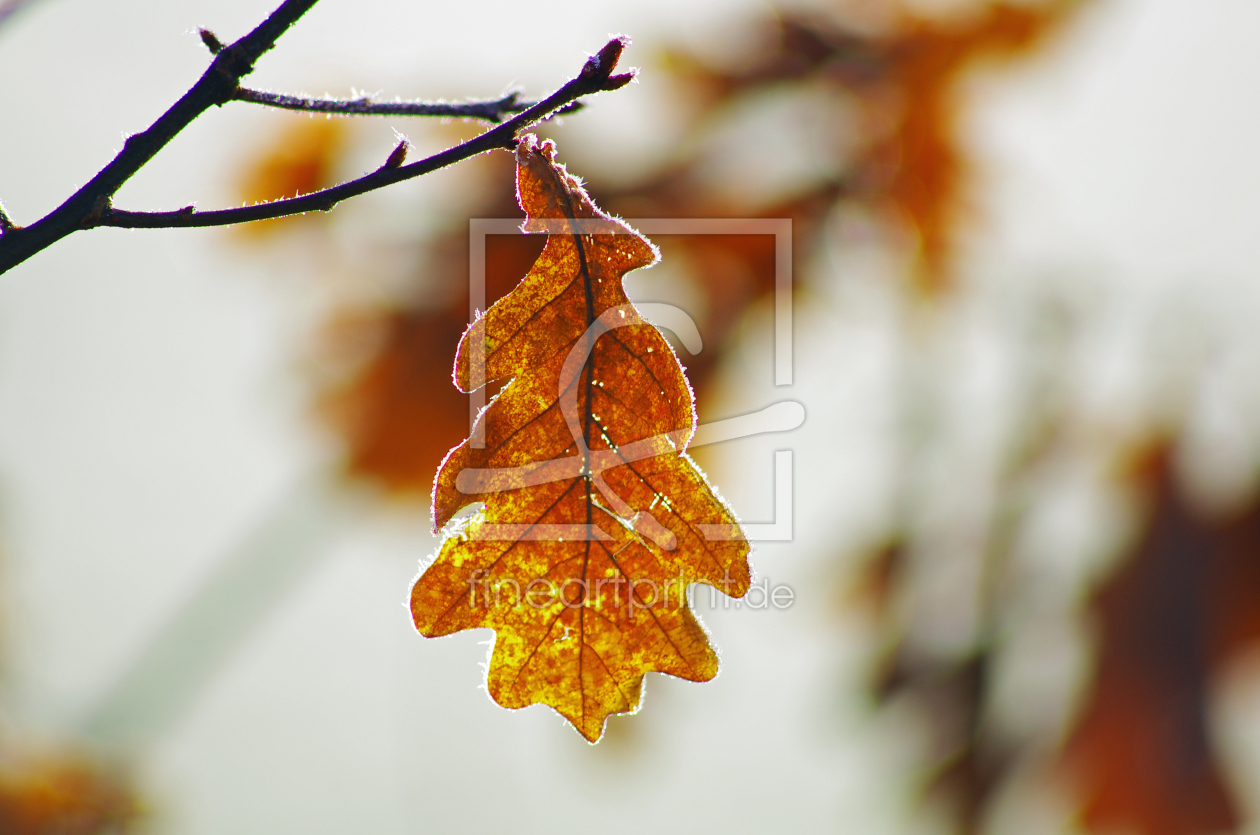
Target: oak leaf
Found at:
x=595, y=521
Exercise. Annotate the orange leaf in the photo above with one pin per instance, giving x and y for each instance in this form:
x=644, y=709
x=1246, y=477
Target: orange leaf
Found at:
x=300, y=161
x=1182, y=606
x=65, y=796
x=595, y=521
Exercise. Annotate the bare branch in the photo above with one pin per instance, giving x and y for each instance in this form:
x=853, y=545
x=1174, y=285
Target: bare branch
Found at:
x=214, y=87
x=91, y=205
x=595, y=77
x=5, y=223
x=491, y=111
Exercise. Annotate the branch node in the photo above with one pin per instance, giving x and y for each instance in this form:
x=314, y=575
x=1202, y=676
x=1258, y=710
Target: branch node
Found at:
x=101, y=207
x=233, y=63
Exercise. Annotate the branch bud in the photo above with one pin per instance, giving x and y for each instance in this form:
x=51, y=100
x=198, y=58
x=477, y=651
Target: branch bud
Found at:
x=212, y=43
x=398, y=155
x=602, y=63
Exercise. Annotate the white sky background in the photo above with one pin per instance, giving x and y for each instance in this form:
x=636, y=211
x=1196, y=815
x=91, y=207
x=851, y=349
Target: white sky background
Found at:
x=150, y=415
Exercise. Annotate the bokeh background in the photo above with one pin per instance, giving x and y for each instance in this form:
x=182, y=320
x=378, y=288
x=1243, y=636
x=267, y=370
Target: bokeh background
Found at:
x=1026, y=550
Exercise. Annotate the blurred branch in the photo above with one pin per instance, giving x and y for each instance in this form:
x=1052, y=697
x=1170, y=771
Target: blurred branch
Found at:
x=491, y=111
x=91, y=206
x=203, y=633
x=5, y=223
x=12, y=7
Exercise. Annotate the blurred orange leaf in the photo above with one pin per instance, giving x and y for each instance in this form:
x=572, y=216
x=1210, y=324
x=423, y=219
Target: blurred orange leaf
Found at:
x=595, y=521
x=406, y=381
x=1183, y=605
x=63, y=797
x=301, y=161
x=911, y=159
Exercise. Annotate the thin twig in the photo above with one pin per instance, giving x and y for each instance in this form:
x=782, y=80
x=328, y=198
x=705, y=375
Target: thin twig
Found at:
x=595, y=77
x=491, y=111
